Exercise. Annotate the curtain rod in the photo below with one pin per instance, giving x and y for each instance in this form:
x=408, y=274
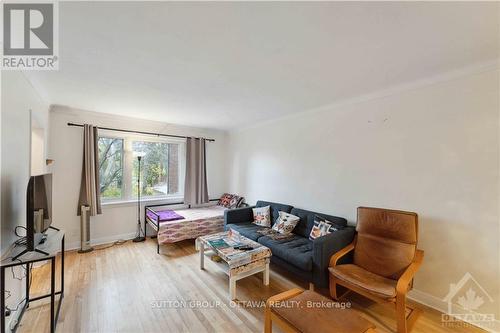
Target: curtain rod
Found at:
x=139, y=132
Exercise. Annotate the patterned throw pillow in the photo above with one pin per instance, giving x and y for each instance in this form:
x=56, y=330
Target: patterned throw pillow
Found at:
x=322, y=227
x=235, y=201
x=262, y=216
x=285, y=223
x=225, y=200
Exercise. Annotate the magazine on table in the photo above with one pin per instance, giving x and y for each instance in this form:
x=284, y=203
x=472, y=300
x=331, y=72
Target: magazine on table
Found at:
x=224, y=245
x=229, y=245
x=218, y=243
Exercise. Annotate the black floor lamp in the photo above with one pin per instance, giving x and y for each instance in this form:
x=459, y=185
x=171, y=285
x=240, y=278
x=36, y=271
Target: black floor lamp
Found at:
x=138, y=237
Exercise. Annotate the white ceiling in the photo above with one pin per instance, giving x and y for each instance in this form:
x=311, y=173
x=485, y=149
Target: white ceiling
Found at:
x=221, y=64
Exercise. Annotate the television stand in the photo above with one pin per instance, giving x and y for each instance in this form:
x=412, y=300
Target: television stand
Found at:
x=48, y=251
x=44, y=239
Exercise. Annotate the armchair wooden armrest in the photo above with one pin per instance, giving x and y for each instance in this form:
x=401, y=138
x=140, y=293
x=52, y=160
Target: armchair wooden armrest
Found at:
x=283, y=296
x=341, y=253
x=276, y=299
x=409, y=273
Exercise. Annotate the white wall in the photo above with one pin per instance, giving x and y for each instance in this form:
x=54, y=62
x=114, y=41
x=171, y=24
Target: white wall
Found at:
x=18, y=98
x=432, y=149
x=38, y=145
x=117, y=221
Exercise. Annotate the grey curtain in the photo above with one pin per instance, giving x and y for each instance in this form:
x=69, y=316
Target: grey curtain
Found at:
x=90, y=194
x=195, y=185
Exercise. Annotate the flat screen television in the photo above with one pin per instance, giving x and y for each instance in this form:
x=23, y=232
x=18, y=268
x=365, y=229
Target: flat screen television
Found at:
x=38, y=209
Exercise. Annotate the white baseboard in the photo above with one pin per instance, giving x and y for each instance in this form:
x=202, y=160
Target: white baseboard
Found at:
x=102, y=240
x=441, y=306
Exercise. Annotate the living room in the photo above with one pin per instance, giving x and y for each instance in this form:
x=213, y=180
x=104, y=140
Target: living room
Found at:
x=203, y=163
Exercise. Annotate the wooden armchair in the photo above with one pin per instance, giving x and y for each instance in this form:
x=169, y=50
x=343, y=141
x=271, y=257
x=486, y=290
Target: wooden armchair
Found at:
x=386, y=259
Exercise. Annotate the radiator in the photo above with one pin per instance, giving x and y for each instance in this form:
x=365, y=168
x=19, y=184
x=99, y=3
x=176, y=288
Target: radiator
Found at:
x=85, y=230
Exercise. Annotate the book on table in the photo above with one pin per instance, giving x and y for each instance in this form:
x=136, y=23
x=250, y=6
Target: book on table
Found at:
x=227, y=246
x=218, y=243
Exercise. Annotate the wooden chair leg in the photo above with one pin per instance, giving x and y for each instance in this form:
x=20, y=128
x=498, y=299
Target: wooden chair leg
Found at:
x=333, y=289
x=401, y=313
x=268, y=324
x=412, y=317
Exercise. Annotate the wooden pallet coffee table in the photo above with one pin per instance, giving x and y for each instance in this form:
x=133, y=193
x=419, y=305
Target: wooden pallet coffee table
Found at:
x=237, y=264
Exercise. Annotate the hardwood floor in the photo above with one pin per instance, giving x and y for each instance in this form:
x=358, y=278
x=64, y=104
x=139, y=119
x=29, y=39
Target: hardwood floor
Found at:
x=129, y=288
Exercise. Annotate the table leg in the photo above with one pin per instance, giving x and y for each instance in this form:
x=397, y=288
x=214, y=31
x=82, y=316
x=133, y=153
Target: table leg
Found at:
x=232, y=288
x=266, y=275
x=52, y=293
x=202, y=256
x=27, y=283
x=62, y=267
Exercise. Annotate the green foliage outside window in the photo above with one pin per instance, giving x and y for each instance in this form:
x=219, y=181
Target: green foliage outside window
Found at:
x=154, y=168
x=111, y=167
x=156, y=178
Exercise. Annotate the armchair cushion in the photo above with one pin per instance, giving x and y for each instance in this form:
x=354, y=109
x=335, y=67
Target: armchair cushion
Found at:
x=384, y=257
x=387, y=241
x=397, y=225
x=366, y=280
x=310, y=319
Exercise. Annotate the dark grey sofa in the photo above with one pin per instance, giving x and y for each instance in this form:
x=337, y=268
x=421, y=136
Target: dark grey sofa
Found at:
x=304, y=258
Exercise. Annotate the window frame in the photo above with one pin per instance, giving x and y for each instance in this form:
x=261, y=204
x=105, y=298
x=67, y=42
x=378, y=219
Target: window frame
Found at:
x=128, y=162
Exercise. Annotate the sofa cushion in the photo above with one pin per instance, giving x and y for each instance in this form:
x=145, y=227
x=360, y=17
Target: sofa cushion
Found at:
x=306, y=222
x=262, y=216
x=236, y=201
x=247, y=229
x=225, y=200
x=285, y=223
x=295, y=250
x=229, y=200
x=323, y=227
x=275, y=208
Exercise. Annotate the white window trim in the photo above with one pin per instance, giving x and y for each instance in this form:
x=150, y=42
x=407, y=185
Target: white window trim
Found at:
x=127, y=198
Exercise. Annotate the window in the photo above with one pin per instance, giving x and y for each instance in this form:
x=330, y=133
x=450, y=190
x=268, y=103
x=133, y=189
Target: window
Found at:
x=111, y=167
x=161, y=168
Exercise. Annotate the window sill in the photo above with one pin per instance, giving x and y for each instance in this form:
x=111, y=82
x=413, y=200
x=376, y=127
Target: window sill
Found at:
x=145, y=201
